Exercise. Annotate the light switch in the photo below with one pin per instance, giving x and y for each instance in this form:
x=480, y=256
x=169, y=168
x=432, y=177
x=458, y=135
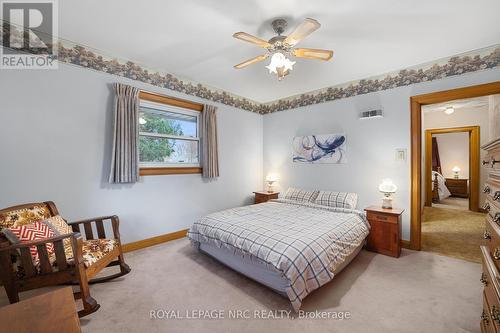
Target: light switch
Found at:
x=400, y=154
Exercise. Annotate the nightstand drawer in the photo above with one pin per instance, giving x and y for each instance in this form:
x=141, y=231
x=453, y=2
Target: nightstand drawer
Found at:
x=380, y=217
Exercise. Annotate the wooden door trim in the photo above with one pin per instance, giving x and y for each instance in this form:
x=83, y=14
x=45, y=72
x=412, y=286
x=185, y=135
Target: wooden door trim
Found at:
x=474, y=143
x=416, y=103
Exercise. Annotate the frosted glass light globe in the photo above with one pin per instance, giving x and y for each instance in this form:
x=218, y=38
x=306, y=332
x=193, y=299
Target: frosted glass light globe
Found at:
x=279, y=60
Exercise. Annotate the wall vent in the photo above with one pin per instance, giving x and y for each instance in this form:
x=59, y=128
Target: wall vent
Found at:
x=371, y=114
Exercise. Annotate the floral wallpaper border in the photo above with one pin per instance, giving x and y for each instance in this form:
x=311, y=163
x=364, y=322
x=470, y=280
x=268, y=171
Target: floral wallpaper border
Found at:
x=87, y=58
x=477, y=60
x=482, y=59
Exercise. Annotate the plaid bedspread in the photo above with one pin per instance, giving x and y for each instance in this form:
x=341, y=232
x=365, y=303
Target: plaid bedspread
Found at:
x=303, y=240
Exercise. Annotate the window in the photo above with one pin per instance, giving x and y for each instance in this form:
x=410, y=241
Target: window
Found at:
x=169, y=140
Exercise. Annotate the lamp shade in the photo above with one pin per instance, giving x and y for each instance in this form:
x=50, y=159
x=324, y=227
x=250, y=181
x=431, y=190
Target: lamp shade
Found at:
x=455, y=169
x=387, y=186
x=272, y=178
x=278, y=60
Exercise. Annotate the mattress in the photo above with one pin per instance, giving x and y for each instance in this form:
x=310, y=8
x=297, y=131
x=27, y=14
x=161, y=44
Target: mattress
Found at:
x=258, y=270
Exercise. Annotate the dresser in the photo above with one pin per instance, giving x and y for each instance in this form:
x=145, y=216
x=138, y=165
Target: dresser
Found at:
x=458, y=187
x=490, y=277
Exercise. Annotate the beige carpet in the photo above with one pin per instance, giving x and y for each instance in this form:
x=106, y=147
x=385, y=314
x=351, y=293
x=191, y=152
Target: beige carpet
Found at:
x=453, y=203
x=419, y=292
x=453, y=233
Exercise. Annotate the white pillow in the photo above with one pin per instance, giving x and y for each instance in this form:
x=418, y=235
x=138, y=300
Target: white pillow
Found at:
x=300, y=195
x=337, y=199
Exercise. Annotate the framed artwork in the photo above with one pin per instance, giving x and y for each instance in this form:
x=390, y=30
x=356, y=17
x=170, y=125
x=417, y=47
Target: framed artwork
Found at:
x=323, y=148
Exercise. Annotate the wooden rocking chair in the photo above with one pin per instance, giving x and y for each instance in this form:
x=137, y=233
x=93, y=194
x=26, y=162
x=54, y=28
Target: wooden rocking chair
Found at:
x=19, y=273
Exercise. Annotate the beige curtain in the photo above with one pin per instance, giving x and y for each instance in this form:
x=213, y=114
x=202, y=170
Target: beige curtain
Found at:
x=209, y=146
x=125, y=157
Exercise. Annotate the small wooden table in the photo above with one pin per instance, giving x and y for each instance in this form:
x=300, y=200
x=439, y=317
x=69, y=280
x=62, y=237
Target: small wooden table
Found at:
x=385, y=232
x=264, y=196
x=54, y=311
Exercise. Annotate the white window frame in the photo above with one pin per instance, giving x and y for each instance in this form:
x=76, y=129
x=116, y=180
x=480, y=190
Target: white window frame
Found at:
x=173, y=109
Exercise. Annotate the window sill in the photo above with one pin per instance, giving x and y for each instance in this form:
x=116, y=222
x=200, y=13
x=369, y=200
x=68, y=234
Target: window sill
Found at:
x=156, y=171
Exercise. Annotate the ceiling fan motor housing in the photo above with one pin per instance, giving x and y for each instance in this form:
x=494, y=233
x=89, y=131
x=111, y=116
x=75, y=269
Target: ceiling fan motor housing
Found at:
x=279, y=25
x=277, y=42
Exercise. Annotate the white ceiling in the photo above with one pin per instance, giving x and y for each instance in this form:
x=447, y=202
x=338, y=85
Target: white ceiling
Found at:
x=193, y=39
x=458, y=104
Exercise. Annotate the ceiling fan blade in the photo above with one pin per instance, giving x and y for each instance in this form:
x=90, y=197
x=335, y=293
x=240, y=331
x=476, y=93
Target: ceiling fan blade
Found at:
x=251, y=39
x=252, y=61
x=313, y=54
x=302, y=31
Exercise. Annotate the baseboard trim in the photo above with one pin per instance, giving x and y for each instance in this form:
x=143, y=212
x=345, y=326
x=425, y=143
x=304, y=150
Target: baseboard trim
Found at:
x=154, y=240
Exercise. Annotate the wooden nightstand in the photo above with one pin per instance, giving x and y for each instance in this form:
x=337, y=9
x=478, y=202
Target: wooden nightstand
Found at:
x=264, y=196
x=385, y=233
x=458, y=187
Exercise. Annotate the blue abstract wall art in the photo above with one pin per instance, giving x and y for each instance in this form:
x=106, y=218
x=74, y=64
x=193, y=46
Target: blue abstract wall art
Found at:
x=324, y=148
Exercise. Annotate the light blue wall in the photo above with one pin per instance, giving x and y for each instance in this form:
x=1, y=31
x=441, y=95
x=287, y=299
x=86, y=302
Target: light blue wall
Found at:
x=55, y=142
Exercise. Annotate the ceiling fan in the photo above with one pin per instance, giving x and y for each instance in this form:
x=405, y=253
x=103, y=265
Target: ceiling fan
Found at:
x=280, y=46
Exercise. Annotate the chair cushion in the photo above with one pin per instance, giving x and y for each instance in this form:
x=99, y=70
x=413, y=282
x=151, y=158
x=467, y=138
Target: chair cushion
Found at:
x=31, y=232
x=24, y=216
x=95, y=249
x=59, y=225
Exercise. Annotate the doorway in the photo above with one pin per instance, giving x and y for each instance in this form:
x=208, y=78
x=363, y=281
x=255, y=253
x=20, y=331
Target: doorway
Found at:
x=451, y=223
x=443, y=184
x=417, y=102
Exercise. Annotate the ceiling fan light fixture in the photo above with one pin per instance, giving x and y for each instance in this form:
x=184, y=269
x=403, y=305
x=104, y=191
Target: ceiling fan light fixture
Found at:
x=278, y=60
x=279, y=46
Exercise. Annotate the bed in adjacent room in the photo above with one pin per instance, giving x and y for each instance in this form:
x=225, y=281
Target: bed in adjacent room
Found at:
x=292, y=245
x=439, y=189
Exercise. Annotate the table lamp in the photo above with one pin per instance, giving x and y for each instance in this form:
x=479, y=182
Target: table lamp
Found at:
x=456, y=170
x=388, y=188
x=271, y=179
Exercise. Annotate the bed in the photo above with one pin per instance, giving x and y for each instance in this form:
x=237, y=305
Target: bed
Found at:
x=439, y=189
x=290, y=246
